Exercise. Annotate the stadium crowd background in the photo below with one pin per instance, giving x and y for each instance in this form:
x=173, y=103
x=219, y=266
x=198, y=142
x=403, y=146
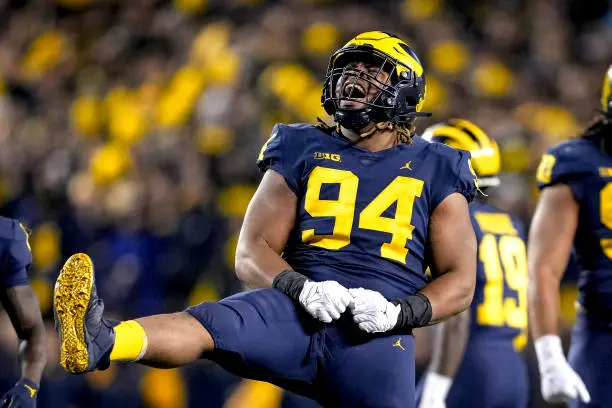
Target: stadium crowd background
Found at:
x=129, y=130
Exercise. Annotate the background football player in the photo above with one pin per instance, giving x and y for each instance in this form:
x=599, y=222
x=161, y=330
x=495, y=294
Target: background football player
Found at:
x=345, y=217
x=21, y=304
x=575, y=209
x=470, y=347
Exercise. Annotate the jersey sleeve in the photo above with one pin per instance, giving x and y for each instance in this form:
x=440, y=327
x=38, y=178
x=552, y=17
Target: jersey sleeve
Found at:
x=460, y=176
x=16, y=259
x=563, y=164
x=281, y=153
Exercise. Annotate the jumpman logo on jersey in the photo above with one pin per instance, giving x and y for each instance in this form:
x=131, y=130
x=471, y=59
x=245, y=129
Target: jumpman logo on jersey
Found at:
x=398, y=343
x=32, y=390
x=407, y=166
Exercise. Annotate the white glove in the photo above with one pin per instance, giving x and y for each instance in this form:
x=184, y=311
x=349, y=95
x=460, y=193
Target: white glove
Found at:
x=372, y=312
x=558, y=381
x=326, y=300
x=435, y=390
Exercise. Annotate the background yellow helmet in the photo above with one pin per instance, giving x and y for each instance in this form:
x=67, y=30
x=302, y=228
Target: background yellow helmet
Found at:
x=606, y=92
x=401, y=95
x=463, y=134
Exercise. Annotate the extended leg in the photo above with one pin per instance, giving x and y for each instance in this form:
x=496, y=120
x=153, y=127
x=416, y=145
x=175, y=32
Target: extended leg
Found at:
x=89, y=342
x=174, y=340
x=256, y=334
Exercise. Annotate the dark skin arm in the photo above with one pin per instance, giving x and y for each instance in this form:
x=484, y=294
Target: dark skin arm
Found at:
x=22, y=306
x=449, y=346
x=269, y=219
x=453, y=248
x=551, y=238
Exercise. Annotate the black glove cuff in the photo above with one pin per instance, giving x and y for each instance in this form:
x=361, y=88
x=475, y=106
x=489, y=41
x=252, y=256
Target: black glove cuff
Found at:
x=415, y=311
x=290, y=283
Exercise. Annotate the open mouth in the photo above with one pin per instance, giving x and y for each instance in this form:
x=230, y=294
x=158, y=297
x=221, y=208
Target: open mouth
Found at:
x=354, y=91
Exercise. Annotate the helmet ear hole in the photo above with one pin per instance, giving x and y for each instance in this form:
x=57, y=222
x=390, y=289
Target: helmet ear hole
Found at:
x=408, y=95
x=410, y=88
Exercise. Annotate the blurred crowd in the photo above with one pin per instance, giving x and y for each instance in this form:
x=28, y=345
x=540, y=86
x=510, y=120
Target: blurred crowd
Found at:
x=129, y=130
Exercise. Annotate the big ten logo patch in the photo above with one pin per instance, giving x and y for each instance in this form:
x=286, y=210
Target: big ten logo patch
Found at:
x=327, y=156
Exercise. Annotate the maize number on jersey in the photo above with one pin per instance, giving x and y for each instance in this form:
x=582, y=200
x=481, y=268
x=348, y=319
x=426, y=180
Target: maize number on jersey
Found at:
x=504, y=260
x=605, y=210
x=402, y=190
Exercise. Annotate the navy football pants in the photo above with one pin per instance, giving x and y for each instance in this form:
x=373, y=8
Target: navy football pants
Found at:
x=262, y=335
x=590, y=355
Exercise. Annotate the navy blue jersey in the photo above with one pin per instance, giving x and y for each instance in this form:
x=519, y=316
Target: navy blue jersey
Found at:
x=15, y=256
x=363, y=216
x=582, y=166
x=499, y=308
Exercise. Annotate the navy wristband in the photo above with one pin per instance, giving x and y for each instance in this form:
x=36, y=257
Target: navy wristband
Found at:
x=415, y=311
x=290, y=283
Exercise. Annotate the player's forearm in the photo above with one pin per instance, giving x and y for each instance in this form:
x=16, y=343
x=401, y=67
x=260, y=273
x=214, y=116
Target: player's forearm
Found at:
x=551, y=237
x=33, y=353
x=543, y=296
x=449, y=294
x=450, y=343
x=257, y=264
x=21, y=304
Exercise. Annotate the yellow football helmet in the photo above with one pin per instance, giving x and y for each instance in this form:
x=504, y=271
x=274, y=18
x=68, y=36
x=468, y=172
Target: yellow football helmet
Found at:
x=463, y=134
x=400, y=97
x=606, y=92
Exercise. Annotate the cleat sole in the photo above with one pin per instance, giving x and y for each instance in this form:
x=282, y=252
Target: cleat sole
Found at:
x=70, y=300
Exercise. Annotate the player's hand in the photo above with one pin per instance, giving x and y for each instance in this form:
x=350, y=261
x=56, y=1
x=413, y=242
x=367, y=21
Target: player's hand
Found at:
x=22, y=395
x=435, y=390
x=372, y=312
x=326, y=300
x=558, y=381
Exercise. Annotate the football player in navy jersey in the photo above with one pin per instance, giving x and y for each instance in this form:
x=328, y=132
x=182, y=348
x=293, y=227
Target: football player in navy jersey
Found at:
x=337, y=238
x=21, y=304
x=476, y=361
x=575, y=209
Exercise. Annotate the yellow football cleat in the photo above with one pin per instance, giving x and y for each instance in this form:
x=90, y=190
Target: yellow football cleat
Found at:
x=86, y=338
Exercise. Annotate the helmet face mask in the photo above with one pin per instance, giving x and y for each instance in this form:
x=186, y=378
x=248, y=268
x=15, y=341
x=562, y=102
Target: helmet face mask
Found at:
x=365, y=85
x=361, y=84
